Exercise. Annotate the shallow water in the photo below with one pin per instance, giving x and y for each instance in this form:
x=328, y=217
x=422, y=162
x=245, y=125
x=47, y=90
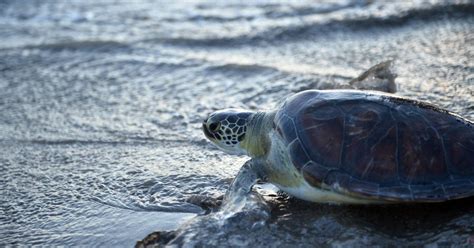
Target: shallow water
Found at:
x=101, y=105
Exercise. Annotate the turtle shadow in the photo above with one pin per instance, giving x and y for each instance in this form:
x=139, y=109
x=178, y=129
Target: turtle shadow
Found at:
x=396, y=220
x=405, y=220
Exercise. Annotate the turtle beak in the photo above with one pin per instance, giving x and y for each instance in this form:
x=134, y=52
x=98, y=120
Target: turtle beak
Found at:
x=208, y=134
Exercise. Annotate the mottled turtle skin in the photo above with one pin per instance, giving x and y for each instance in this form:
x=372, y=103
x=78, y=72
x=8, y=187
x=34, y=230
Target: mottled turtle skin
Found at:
x=378, y=146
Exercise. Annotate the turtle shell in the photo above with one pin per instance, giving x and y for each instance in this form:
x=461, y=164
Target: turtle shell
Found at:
x=378, y=146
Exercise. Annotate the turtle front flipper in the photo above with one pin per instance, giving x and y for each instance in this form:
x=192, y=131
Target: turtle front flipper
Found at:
x=238, y=192
x=240, y=199
x=379, y=77
x=242, y=184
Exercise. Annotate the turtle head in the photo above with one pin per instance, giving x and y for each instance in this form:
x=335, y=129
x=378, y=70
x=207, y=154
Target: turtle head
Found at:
x=227, y=129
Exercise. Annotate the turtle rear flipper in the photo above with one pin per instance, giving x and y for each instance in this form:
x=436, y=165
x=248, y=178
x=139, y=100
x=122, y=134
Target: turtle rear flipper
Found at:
x=379, y=77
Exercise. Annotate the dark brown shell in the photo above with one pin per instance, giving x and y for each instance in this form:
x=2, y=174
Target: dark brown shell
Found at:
x=378, y=145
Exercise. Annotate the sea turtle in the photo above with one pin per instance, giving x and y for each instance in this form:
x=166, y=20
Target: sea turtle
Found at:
x=351, y=146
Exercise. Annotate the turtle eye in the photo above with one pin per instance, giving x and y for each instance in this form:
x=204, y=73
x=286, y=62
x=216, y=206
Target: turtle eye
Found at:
x=213, y=126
